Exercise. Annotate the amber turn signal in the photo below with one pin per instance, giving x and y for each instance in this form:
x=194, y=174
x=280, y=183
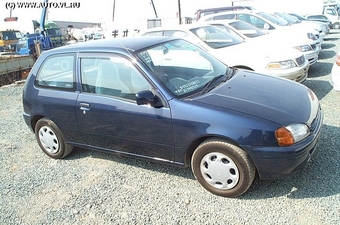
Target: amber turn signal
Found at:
x=284, y=137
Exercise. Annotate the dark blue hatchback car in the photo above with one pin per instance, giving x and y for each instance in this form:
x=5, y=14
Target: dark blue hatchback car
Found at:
x=164, y=99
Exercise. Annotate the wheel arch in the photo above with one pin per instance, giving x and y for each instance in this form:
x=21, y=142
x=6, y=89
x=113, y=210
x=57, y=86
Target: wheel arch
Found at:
x=194, y=144
x=34, y=121
x=336, y=25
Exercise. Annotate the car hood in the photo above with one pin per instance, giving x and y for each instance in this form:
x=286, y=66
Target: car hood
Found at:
x=258, y=54
x=275, y=99
x=297, y=37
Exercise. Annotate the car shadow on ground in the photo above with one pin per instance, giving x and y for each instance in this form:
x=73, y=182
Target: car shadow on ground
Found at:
x=320, y=88
x=78, y=153
x=320, y=69
x=330, y=38
x=318, y=179
x=326, y=54
x=326, y=46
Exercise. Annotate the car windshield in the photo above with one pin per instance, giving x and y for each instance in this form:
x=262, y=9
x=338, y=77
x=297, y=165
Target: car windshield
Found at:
x=247, y=29
x=298, y=16
x=10, y=35
x=216, y=37
x=184, y=68
x=274, y=19
x=288, y=18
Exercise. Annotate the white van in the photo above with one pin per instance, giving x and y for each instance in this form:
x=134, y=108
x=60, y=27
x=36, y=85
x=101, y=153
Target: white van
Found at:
x=332, y=14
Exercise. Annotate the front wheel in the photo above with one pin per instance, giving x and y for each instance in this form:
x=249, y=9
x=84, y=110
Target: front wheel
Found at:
x=222, y=168
x=51, y=140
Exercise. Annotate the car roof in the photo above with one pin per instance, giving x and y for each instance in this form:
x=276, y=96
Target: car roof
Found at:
x=252, y=12
x=130, y=44
x=179, y=27
x=249, y=12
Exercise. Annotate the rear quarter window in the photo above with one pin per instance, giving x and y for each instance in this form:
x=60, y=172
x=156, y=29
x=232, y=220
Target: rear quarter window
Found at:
x=57, y=72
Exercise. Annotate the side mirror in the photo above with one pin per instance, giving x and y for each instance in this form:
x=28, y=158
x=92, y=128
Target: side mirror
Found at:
x=266, y=26
x=145, y=98
x=148, y=98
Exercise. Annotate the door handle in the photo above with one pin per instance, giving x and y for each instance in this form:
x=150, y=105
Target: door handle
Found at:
x=84, y=107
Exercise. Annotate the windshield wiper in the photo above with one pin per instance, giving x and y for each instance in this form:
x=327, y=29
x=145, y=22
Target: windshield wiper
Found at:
x=207, y=87
x=229, y=73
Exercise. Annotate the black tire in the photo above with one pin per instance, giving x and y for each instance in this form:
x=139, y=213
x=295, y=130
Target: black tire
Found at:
x=51, y=140
x=222, y=168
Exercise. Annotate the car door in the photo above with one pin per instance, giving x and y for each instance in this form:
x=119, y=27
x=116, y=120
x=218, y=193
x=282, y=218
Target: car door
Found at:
x=55, y=86
x=107, y=113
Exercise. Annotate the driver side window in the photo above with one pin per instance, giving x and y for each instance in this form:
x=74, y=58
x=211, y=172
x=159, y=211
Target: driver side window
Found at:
x=112, y=76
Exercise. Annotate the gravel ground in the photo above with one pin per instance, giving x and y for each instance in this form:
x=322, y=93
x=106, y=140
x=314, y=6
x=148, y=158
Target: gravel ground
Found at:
x=96, y=188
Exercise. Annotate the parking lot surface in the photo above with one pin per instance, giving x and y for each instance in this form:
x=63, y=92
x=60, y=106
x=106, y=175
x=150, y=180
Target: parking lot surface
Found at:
x=91, y=187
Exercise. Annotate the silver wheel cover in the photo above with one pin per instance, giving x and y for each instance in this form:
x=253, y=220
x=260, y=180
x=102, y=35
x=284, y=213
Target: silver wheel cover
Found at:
x=48, y=139
x=219, y=171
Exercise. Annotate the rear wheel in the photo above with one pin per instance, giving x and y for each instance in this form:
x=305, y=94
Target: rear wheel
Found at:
x=336, y=26
x=51, y=140
x=222, y=168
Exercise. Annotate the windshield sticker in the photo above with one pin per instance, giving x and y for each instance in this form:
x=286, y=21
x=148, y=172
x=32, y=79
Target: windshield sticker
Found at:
x=146, y=57
x=187, y=87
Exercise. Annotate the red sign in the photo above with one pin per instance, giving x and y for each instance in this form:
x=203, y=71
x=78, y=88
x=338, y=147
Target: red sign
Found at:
x=8, y=19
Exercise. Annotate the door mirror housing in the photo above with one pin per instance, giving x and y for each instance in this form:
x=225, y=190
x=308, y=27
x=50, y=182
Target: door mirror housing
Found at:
x=148, y=98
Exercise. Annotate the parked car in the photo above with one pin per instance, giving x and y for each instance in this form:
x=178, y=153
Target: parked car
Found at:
x=319, y=18
x=240, y=28
x=204, y=12
x=304, y=41
x=282, y=22
x=320, y=27
x=165, y=99
x=284, y=62
x=332, y=14
x=335, y=74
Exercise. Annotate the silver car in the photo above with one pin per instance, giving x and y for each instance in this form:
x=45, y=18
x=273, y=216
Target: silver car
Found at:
x=280, y=61
x=305, y=42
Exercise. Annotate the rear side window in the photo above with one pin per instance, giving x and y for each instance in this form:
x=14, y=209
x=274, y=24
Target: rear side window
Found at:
x=57, y=72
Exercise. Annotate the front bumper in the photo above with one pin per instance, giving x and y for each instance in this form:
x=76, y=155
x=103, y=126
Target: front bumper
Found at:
x=312, y=56
x=298, y=74
x=276, y=162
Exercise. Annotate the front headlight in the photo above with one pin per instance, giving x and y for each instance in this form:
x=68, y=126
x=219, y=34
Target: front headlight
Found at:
x=312, y=36
x=291, y=134
x=281, y=65
x=303, y=48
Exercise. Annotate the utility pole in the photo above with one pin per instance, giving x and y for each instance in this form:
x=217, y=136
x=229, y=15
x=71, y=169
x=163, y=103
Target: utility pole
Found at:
x=179, y=12
x=113, y=10
x=154, y=9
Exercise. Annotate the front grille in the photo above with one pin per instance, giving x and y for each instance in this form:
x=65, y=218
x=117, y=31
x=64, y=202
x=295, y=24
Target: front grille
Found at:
x=301, y=60
x=313, y=46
